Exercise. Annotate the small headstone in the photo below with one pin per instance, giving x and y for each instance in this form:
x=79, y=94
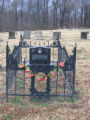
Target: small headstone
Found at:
x=12, y=35
x=55, y=35
x=38, y=35
x=64, y=27
x=0, y=65
x=84, y=35
x=89, y=102
x=51, y=32
x=16, y=33
x=71, y=28
x=1, y=40
x=26, y=34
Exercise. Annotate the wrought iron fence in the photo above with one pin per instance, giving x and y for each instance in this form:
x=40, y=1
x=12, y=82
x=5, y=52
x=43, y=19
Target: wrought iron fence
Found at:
x=19, y=84
x=12, y=60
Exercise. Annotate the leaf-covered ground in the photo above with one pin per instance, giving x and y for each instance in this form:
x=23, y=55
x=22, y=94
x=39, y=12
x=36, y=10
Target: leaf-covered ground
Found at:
x=25, y=109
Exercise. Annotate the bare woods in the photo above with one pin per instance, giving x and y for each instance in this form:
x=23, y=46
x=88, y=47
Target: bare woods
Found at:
x=43, y=14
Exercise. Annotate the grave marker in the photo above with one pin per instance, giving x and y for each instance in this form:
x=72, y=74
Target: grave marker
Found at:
x=12, y=35
x=38, y=35
x=0, y=65
x=55, y=35
x=40, y=62
x=26, y=34
x=84, y=35
x=1, y=40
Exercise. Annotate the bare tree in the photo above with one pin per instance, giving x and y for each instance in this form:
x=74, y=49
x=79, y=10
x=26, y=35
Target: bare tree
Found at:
x=43, y=14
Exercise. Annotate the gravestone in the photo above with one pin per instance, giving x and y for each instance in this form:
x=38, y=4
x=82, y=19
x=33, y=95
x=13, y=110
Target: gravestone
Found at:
x=51, y=32
x=26, y=34
x=55, y=35
x=16, y=34
x=12, y=35
x=38, y=35
x=1, y=40
x=0, y=65
x=40, y=62
x=84, y=35
x=40, y=55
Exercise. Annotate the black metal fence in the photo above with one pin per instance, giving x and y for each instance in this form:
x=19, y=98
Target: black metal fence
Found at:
x=12, y=60
x=18, y=83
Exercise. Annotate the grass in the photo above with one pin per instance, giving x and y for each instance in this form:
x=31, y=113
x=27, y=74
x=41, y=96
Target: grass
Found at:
x=70, y=100
x=43, y=104
x=36, y=100
x=67, y=99
x=80, y=51
x=69, y=39
x=19, y=83
x=52, y=99
x=61, y=99
x=17, y=100
x=8, y=117
x=50, y=117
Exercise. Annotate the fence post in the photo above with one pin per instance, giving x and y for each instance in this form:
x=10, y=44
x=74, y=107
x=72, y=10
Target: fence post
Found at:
x=7, y=52
x=15, y=83
x=74, y=67
x=65, y=80
x=57, y=79
x=59, y=48
x=24, y=79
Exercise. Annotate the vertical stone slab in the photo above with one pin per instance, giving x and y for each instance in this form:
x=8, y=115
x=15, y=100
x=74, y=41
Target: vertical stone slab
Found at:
x=26, y=34
x=0, y=65
x=12, y=35
x=55, y=35
x=38, y=35
x=1, y=40
x=84, y=35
